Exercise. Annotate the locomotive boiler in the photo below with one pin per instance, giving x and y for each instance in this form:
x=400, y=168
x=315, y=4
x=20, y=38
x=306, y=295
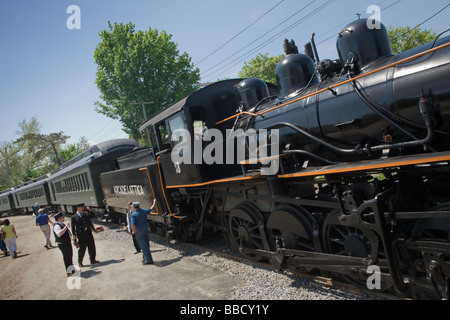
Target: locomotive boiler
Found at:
x=358, y=108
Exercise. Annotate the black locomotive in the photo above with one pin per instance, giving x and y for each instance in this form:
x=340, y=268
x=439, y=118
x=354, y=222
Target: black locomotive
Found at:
x=362, y=182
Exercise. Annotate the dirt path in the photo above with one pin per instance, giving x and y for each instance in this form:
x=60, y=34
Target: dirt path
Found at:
x=38, y=273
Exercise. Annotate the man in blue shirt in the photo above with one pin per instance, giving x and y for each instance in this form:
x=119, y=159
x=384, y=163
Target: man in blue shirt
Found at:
x=139, y=227
x=42, y=221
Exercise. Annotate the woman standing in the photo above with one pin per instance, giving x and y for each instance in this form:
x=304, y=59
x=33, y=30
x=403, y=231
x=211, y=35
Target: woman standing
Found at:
x=10, y=236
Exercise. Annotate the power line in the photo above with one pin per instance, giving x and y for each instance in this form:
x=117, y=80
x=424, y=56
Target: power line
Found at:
x=348, y=21
x=420, y=24
x=264, y=34
x=333, y=29
x=98, y=132
x=107, y=133
x=234, y=37
x=266, y=42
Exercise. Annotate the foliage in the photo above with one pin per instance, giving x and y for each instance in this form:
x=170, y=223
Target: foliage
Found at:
x=262, y=67
x=405, y=38
x=45, y=145
x=72, y=150
x=10, y=165
x=34, y=154
x=137, y=66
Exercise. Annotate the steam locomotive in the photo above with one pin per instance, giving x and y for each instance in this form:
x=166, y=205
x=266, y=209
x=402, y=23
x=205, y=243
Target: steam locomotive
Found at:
x=342, y=168
x=361, y=186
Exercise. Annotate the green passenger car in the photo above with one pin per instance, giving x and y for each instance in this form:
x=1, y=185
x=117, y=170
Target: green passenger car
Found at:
x=78, y=180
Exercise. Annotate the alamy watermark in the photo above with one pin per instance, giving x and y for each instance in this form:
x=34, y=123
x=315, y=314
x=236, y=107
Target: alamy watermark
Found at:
x=238, y=147
x=74, y=20
x=374, y=21
x=74, y=281
x=374, y=280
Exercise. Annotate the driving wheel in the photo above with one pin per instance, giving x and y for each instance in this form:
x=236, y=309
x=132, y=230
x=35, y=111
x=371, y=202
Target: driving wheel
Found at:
x=245, y=230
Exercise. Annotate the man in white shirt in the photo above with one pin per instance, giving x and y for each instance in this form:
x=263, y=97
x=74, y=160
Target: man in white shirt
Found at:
x=62, y=237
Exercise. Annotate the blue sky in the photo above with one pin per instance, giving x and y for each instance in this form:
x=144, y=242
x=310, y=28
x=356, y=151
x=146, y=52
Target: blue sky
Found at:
x=48, y=71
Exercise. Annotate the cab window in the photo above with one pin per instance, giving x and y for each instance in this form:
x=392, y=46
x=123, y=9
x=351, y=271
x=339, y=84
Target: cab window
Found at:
x=177, y=122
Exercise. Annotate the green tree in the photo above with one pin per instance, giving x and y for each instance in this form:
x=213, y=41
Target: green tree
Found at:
x=405, y=38
x=262, y=67
x=10, y=165
x=136, y=66
x=34, y=154
x=46, y=145
x=72, y=150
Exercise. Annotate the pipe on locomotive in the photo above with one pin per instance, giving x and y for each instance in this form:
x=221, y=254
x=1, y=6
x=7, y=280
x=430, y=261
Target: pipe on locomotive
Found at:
x=426, y=111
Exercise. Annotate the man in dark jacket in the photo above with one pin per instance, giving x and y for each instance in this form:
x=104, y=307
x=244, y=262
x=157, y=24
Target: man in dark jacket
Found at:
x=82, y=228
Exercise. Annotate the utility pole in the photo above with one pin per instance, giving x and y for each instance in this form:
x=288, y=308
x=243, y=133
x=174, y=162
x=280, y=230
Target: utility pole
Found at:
x=143, y=103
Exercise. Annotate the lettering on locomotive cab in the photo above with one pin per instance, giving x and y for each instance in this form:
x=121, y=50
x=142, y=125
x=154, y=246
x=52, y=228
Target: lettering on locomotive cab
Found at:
x=129, y=190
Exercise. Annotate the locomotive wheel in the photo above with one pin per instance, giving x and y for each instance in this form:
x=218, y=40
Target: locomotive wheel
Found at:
x=186, y=233
x=349, y=241
x=158, y=228
x=434, y=228
x=245, y=224
x=291, y=228
x=437, y=229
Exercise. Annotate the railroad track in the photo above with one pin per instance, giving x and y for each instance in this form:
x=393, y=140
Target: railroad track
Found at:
x=216, y=245
x=323, y=280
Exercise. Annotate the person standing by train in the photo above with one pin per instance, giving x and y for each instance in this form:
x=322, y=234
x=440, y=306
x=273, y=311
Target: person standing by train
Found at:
x=2, y=243
x=139, y=227
x=133, y=236
x=36, y=208
x=9, y=237
x=42, y=221
x=82, y=228
x=62, y=238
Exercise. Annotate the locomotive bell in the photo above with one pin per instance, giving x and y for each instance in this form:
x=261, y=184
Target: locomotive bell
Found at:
x=360, y=44
x=251, y=91
x=295, y=71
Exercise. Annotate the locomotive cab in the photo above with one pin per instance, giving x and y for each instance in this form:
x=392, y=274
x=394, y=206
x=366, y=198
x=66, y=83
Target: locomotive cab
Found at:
x=180, y=131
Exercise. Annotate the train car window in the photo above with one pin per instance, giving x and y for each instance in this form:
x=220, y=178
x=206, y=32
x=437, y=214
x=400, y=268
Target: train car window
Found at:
x=199, y=124
x=177, y=123
x=86, y=181
x=77, y=180
x=83, y=184
x=163, y=136
x=199, y=128
x=153, y=142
